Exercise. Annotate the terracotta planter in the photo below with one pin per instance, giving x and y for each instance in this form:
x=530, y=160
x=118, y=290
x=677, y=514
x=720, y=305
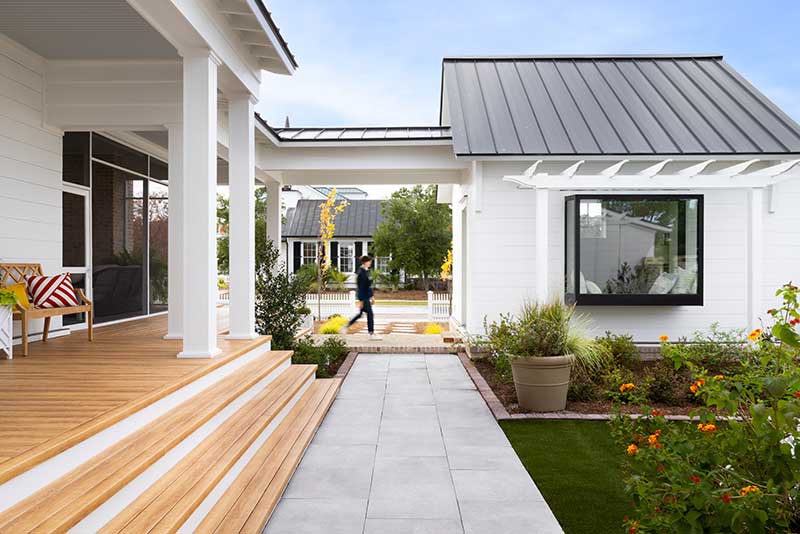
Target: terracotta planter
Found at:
x=542, y=383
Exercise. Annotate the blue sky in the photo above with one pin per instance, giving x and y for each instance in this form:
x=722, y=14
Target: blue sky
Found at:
x=379, y=62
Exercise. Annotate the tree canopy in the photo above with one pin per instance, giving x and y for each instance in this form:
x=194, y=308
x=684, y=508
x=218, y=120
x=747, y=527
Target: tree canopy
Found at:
x=223, y=223
x=416, y=231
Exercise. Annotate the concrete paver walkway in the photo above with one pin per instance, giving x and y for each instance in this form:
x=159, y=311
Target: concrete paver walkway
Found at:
x=409, y=446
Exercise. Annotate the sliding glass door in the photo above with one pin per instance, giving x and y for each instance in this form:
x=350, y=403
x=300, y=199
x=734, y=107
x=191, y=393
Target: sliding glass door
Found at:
x=115, y=222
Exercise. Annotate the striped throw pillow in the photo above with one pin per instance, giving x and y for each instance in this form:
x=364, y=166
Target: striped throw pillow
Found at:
x=52, y=291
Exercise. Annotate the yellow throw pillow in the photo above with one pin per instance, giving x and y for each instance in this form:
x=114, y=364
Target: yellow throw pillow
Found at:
x=21, y=293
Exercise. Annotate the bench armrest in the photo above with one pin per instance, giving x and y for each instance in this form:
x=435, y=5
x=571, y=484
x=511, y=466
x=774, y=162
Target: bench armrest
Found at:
x=82, y=296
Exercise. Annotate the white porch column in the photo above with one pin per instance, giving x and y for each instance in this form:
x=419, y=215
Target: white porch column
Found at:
x=175, y=232
x=199, y=213
x=274, y=213
x=755, y=236
x=542, y=243
x=242, y=240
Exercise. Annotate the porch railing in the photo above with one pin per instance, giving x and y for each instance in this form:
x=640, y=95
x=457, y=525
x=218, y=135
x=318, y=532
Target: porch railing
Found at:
x=342, y=303
x=438, y=306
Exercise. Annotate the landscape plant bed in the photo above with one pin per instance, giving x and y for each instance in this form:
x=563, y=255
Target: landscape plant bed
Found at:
x=507, y=395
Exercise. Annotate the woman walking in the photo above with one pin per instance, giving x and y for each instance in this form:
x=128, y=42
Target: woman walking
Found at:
x=364, y=298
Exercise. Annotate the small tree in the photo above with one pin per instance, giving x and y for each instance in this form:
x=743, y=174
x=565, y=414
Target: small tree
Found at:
x=328, y=212
x=415, y=231
x=447, y=276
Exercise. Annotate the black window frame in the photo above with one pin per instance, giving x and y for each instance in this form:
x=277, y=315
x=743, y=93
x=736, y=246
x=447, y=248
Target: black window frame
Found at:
x=583, y=299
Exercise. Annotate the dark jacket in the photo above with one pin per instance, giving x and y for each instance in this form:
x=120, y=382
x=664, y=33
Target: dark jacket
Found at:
x=364, y=285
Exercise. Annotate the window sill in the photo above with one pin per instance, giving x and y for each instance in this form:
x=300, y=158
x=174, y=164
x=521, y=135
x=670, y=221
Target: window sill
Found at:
x=634, y=300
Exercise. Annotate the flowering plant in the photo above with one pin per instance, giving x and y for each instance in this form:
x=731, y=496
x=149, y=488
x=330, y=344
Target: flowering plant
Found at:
x=7, y=298
x=735, y=469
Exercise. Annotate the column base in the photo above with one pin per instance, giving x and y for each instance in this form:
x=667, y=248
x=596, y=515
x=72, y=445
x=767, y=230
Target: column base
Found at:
x=199, y=353
x=173, y=336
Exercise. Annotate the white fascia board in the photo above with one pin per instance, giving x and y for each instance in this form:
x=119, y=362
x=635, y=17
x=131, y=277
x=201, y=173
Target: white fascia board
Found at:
x=636, y=182
x=380, y=158
x=276, y=42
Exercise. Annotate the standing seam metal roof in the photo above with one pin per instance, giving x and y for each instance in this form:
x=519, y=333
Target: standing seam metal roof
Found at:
x=610, y=105
x=359, y=219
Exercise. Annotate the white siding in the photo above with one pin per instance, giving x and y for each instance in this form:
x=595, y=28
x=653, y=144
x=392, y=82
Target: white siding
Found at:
x=502, y=259
x=781, y=240
x=30, y=165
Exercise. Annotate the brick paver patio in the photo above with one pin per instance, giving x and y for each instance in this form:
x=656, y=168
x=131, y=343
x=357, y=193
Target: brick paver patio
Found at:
x=409, y=446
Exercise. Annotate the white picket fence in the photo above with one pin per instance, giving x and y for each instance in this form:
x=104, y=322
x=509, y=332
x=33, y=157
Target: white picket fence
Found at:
x=343, y=303
x=438, y=306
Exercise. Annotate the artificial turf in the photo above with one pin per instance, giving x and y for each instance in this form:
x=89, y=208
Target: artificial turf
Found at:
x=576, y=466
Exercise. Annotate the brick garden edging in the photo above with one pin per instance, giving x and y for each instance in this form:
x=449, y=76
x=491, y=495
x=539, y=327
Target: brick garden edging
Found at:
x=501, y=414
x=348, y=362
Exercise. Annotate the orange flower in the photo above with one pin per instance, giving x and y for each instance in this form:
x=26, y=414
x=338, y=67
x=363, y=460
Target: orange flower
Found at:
x=634, y=528
x=749, y=489
x=658, y=445
x=697, y=385
x=653, y=438
x=726, y=498
x=707, y=428
x=695, y=479
x=656, y=413
x=627, y=386
x=632, y=449
x=663, y=338
x=754, y=335
x=719, y=377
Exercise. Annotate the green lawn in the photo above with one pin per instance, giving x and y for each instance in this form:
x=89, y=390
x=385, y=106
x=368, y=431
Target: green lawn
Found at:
x=421, y=303
x=576, y=466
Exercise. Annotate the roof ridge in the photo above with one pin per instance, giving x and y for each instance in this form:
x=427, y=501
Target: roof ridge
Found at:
x=571, y=57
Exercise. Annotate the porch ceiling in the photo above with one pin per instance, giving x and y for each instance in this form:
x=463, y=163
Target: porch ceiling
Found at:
x=83, y=29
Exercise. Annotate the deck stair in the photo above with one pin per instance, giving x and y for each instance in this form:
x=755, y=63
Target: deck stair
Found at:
x=220, y=458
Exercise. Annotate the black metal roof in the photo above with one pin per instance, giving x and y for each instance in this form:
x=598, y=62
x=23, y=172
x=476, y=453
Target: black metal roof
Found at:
x=274, y=27
x=610, y=105
x=359, y=219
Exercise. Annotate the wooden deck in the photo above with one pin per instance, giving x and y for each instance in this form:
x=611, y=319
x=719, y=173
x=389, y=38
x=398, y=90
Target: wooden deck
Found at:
x=68, y=388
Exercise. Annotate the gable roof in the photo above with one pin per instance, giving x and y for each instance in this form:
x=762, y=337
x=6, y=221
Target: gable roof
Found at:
x=609, y=105
x=359, y=219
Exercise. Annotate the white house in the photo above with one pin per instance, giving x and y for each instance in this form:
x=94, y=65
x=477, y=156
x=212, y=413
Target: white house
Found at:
x=668, y=182
x=559, y=167
x=352, y=238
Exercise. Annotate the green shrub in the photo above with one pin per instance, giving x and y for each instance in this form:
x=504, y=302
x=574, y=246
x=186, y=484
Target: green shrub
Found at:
x=621, y=387
x=333, y=325
x=327, y=356
x=279, y=297
x=621, y=348
x=736, y=469
x=667, y=385
x=582, y=386
x=716, y=350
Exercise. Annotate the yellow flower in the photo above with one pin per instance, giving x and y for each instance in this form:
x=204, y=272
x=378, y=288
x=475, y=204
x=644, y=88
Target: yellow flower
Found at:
x=749, y=489
x=719, y=377
x=632, y=449
x=663, y=338
x=627, y=386
x=754, y=335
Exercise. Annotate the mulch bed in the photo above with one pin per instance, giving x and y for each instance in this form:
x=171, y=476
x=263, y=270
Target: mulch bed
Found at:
x=403, y=294
x=507, y=395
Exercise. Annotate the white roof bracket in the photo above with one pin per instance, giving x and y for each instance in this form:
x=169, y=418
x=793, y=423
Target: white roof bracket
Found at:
x=572, y=169
x=652, y=170
x=694, y=170
x=611, y=170
x=532, y=169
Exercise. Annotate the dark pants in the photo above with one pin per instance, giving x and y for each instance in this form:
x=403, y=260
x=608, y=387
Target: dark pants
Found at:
x=366, y=307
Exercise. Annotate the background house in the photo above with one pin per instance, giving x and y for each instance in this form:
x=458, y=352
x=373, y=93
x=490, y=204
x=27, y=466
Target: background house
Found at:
x=352, y=238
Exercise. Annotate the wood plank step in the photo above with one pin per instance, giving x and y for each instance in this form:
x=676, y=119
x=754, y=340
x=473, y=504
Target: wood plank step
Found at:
x=52, y=377
x=247, y=504
x=63, y=503
x=167, y=504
